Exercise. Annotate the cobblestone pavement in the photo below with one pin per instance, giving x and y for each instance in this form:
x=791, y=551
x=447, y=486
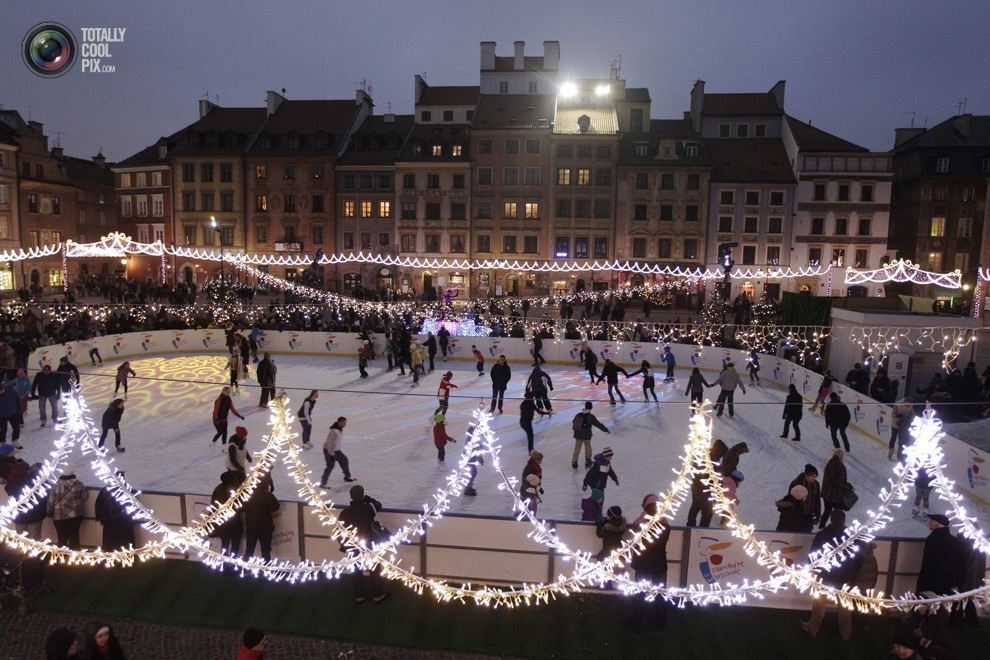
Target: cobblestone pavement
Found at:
x=23, y=637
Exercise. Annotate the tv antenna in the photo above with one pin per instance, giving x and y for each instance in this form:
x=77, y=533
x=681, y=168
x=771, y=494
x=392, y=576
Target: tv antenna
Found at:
x=913, y=113
x=961, y=105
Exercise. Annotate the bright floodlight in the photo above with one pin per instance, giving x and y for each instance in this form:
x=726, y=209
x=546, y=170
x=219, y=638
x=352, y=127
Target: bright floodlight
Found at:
x=568, y=89
x=213, y=221
x=602, y=90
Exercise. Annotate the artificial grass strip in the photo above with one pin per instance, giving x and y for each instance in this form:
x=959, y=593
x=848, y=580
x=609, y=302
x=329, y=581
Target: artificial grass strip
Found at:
x=580, y=626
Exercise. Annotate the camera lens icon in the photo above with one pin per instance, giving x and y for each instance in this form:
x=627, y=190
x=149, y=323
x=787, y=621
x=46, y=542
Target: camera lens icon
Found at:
x=49, y=49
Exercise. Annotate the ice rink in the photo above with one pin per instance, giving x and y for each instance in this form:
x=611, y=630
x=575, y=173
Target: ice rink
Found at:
x=167, y=429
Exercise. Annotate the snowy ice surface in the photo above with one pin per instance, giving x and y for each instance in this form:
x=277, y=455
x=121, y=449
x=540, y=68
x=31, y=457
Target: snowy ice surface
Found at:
x=167, y=429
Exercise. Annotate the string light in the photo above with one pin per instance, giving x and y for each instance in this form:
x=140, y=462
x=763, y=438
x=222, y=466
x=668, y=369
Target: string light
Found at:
x=902, y=270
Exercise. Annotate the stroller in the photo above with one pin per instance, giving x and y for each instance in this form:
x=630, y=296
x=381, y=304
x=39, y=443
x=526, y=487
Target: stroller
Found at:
x=21, y=578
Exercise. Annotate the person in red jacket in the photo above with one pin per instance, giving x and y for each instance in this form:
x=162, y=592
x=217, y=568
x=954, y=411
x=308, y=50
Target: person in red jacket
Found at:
x=253, y=644
x=440, y=438
x=443, y=393
x=222, y=408
x=479, y=359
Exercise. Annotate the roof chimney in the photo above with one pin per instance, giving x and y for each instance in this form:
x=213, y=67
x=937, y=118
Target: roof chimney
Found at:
x=57, y=152
x=204, y=107
x=902, y=135
x=551, y=55
x=361, y=96
x=778, y=93
x=517, y=63
x=697, y=104
x=487, y=55
x=100, y=160
x=274, y=99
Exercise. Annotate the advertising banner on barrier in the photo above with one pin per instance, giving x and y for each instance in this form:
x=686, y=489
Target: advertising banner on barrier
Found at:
x=715, y=557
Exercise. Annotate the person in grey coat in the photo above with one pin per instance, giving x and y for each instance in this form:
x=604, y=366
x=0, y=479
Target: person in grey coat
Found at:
x=728, y=380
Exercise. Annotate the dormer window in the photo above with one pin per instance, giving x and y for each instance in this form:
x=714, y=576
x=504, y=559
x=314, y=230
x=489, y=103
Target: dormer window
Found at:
x=691, y=150
x=162, y=152
x=584, y=123
x=641, y=149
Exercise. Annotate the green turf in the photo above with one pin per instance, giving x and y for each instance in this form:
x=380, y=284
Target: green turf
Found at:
x=585, y=626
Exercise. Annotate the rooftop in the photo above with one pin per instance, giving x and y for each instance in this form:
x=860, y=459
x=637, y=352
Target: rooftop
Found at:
x=450, y=95
x=809, y=138
x=515, y=111
x=530, y=63
x=86, y=171
x=958, y=131
x=754, y=160
x=602, y=120
x=378, y=140
x=749, y=104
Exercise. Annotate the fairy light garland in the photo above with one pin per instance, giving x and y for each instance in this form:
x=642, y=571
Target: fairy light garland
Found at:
x=902, y=270
x=878, y=342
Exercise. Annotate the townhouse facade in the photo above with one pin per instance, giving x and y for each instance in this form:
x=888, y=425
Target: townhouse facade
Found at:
x=143, y=184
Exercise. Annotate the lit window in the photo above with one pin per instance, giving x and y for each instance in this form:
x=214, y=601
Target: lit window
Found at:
x=563, y=176
x=509, y=210
x=384, y=209
x=532, y=210
x=261, y=172
x=964, y=227
x=349, y=209
x=457, y=150
x=938, y=226
x=584, y=177
x=366, y=209
x=935, y=261
x=941, y=167
x=437, y=150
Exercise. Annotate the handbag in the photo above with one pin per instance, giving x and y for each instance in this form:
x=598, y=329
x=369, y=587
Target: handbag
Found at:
x=849, y=497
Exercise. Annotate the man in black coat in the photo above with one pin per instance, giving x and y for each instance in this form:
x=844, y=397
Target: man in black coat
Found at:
x=66, y=372
x=46, y=388
x=834, y=576
x=362, y=515
x=837, y=418
x=500, y=373
x=266, y=372
x=943, y=558
x=858, y=379
x=610, y=374
x=537, y=350
x=118, y=526
x=538, y=383
x=431, y=349
x=812, y=506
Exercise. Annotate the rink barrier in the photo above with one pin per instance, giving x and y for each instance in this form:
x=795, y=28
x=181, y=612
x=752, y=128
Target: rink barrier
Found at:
x=495, y=550
x=968, y=466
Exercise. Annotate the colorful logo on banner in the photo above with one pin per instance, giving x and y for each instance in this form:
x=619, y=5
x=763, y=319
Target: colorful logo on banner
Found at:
x=208, y=339
x=293, y=340
x=636, y=353
x=177, y=340
x=883, y=421
x=494, y=347
x=283, y=537
x=575, y=350
x=858, y=412
x=776, y=371
x=452, y=347
x=713, y=566
x=787, y=551
x=696, y=356
x=69, y=353
x=147, y=341
x=262, y=339
x=804, y=385
x=330, y=342
x=974, y=465
x=43, y=358
x=119, y=343
x=606, y=352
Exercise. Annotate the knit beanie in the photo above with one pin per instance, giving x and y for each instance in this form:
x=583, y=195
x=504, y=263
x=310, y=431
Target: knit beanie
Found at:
x=607, y=452
x=799, y=492
x=614, y=511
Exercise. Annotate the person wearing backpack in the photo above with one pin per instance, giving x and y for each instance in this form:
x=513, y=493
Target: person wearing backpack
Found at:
x=582, y=425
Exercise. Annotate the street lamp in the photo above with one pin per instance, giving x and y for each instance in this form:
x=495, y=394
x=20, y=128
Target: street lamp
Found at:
x=216, y=228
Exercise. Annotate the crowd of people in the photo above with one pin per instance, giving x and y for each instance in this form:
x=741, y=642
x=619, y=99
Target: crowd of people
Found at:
x=99, y=641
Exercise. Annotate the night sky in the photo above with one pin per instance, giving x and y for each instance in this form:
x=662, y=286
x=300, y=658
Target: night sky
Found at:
x=855, y=69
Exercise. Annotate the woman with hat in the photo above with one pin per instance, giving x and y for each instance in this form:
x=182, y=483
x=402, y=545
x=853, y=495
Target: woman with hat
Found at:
x=237, y=454
x=440, y=438
x=610, y=531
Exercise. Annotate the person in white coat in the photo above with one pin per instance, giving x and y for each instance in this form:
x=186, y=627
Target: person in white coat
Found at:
x=332, y=452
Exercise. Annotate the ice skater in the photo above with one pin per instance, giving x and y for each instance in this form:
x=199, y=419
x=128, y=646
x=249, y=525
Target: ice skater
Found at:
x=837, y=418
x=123, y=371
x=234, y=366
x=479, y=359
x=753, y=367
x=45, y=389
x=526, y=411
x=440, y=438
x=443, y=393
x=443, y=338
x=222, y=408
x=538, y=383
x=500, y=374
x=415, y=364
x=826, y=388
x=793, y=411
x=538, y=350
x=696, y=386
x=266, y=373
x=610, y=374
x=244, y=346
x=111, y=420
x=649, y=382
x=590, y=363
x=306, y=417
x=431, y=349
x=583, y=425
x=531, y=485
x=237, y=454
x=728, y=380
x=668, y=358
x=333, y=453
x=363, y=362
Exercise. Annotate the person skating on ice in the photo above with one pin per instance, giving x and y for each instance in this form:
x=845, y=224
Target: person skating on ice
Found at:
x=431, y=349
x=234, y=367
x=582, y=425
x=266, y=373
x=590, y=363
x=333, y=452
x=123, y=371
x=305, y=416
x=500, y=374
x=362, y=362
x=238, y=456
x=526, y=411
x=538, y=383
x=443, y=339
x=728, y=380
x=479, y=359
x=793, y=411
x=443, y=393
x=222, y=407
x=753, y=367
x=441, y=438
x=111, y=420
x=610, y=374
x=696, y=386
x=671, y=362
x=649, y=382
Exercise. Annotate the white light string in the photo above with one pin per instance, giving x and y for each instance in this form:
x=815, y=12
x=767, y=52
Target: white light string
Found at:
x=902, y=270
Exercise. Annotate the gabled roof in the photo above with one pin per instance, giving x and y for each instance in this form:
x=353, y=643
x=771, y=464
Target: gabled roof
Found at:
x=86, y=171
x=637, y=95
x=754, y=160
x=377, y=141
x=235, y=120
x=602, y=120
x=515, y=111
x=508, y=63
x=147, y=156
x=809, y=138
x=425, y=136
x=679, y=130
x=958, y=131
x=449, y=95
x=749, y=104
x=311, y=116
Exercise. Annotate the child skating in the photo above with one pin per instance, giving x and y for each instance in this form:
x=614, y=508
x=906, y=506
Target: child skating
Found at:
x=443, y=393
x=479, y=359
x=440, y=438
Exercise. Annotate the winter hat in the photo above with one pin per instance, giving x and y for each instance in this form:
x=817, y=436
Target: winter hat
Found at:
x=439, y=419
x=614, y=511
x=449, y=374
x=607, y=452
x=252, y=637
x=357, y=492
x=47, y=367
x=650, y=499
x=241, y=431
x=6, y=450
x=810, y=469
x=906, y=639
x=738, y=476
x=799, y=492
x=21, y=372
x=939, y=518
